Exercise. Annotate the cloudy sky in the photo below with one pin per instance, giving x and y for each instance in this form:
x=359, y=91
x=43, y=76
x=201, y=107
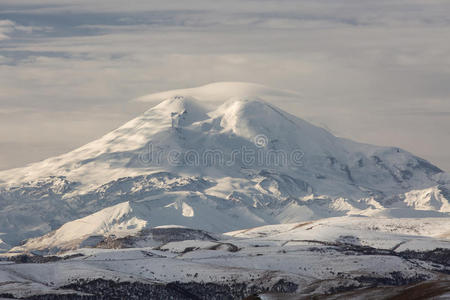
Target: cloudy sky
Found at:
x=374, y=71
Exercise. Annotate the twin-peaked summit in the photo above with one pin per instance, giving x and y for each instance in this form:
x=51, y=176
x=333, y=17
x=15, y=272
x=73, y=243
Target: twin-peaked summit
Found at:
x=182, y=123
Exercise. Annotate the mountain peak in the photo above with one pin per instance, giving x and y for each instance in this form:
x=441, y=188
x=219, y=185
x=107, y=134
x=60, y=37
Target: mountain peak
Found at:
x=176, y=103
x=180, y=108
x=249, y=117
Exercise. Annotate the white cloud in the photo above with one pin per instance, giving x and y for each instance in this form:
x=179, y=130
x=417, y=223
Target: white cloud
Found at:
x=8, y=28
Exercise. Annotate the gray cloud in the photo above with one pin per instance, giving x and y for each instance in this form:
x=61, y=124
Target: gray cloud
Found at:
x=375, y=71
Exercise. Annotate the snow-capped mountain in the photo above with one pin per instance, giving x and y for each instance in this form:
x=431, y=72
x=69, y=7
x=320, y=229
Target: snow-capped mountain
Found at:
x=215, y=193
x=233, y=162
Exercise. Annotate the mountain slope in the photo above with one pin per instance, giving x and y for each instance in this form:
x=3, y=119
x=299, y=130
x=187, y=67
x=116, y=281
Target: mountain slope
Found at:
x=243, y=163
x=120, y=220
x=310, y=259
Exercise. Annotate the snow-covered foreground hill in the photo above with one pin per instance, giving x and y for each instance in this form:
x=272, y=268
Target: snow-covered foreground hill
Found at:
x=329, y=214
x=326, y=256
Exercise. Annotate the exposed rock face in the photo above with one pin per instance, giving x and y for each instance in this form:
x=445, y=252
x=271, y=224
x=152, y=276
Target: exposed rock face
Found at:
x=106, y=289
x=156, y=236
x=174, y=234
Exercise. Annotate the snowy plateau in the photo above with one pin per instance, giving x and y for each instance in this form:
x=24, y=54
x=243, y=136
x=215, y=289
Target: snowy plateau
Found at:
x=216, y=193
